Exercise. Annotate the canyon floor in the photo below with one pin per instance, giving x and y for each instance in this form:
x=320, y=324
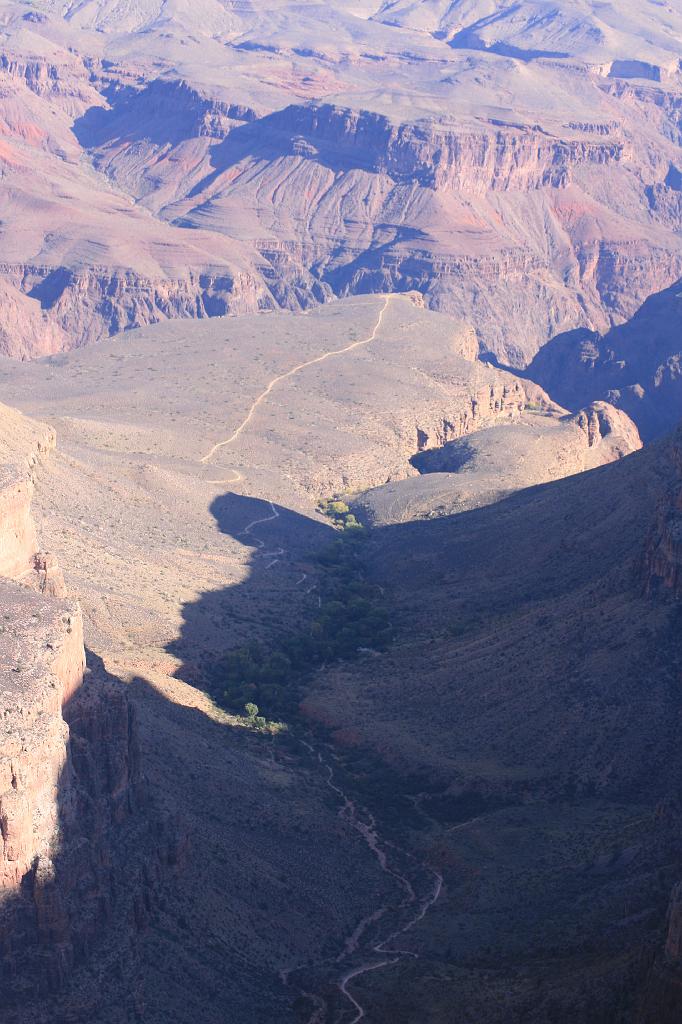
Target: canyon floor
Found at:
x=422, y=257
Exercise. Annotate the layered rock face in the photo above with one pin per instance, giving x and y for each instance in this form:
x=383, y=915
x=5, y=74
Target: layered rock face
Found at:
x=636, y=367
x=495, y=157
x=250, y=159
x=69, y=776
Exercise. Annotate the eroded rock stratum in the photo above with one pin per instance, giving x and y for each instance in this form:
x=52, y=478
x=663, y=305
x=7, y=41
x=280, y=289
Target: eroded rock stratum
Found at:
x=161, y=166
x=69, y=778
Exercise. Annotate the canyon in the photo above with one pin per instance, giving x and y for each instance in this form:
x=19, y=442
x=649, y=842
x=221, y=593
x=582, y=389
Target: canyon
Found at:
x=197, y=167
x=637, y=366
x=340, y=512
x=182, y=500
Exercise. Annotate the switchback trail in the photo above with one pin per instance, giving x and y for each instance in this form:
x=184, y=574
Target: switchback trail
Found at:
x=291, y=373
x=362, y=952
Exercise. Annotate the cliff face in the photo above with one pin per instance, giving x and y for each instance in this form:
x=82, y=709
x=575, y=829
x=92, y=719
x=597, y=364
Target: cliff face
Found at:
x=22, y=444
x=636, y=366
x=92, y=303
x=69, y=777
x=496, y=157
x=528, y=197
x=495, y=402
x=44, y=659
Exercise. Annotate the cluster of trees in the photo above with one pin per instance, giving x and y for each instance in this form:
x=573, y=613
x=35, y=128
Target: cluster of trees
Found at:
x=350, y=617
x=340, y=514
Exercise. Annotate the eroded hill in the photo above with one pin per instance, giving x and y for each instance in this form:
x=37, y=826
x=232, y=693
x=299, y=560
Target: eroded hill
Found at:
x=520, y=169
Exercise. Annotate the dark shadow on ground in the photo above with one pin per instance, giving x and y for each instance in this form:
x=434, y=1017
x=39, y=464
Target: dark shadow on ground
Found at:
x=273, y=596
x=164, y=849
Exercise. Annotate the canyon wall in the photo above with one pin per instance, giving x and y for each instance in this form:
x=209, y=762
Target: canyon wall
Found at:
x=71, y=843
x=525, y=199
x=497, y=156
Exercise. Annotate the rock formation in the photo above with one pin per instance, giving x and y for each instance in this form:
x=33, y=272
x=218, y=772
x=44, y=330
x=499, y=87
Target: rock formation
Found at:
x=247, y=159
x=601, y=422
x=69, y=775
x=636, y=367
x=533, y=446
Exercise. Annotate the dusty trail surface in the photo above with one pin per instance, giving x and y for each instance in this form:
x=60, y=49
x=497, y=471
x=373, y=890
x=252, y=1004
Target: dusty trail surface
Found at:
x=362, y=954
x=292, y=373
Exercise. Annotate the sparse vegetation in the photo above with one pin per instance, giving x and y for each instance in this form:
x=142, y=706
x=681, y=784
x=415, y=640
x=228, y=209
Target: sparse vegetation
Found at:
x=350, y=619
x=255, y=721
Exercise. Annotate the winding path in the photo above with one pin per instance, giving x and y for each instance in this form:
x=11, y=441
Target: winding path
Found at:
x=416, y=906
x=362, y=821
x=292, y=373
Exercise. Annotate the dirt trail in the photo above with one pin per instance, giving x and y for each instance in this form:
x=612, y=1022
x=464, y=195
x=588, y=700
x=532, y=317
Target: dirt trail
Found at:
x=291, y=373
x=414, y=907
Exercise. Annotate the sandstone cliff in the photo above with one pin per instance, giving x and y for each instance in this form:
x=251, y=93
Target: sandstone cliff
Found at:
x=69, y=777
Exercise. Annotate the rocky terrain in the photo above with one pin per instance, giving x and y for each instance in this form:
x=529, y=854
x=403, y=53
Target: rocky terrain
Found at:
x=521, y=169
x=182, y=498
x=529, y=707
x=138, y=821
x=637, y=366
x=484, y=467
x=357, y=327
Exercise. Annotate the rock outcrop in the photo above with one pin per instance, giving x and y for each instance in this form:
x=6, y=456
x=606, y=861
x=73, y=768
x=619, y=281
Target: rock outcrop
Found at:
x=69, y=771
x=601, y=422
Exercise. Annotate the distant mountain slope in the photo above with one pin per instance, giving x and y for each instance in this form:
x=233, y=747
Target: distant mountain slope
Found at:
x=585, y=29
x=637, y=366
x=171, y=161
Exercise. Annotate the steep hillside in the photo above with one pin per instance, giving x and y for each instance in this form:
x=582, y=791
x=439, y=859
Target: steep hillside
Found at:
x=637, y=367
x=528, y=714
